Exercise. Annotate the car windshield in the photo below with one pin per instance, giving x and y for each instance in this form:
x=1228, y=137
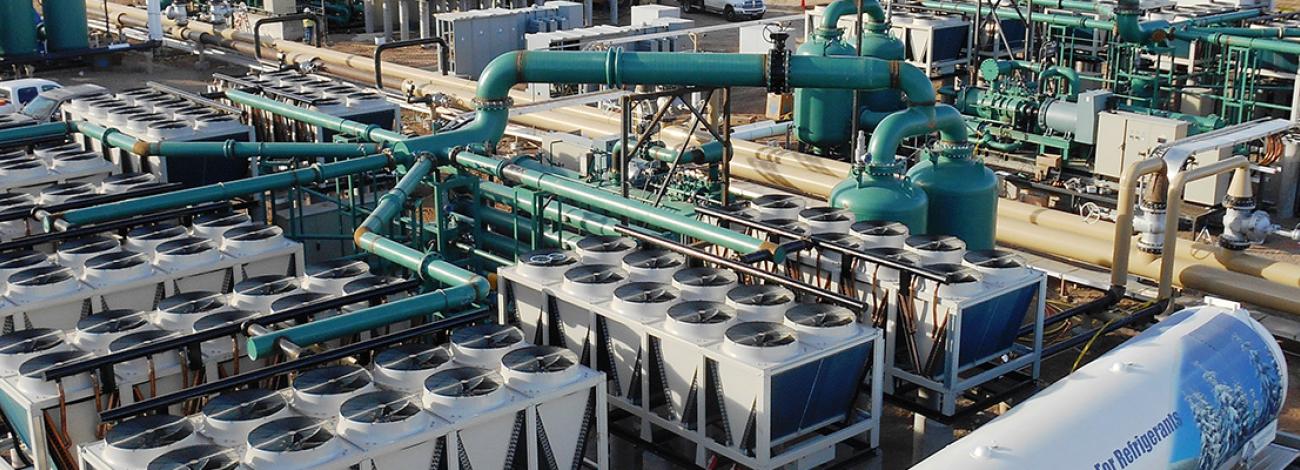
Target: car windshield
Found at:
x=40, y=107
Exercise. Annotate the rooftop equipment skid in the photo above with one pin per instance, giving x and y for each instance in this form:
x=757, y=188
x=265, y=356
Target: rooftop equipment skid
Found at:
x=757, y=378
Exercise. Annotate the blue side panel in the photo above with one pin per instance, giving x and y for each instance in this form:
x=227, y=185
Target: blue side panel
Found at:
x=817, y=392
x=949, y=42
x=16, y=416
x=990, y=328
x=195, y=172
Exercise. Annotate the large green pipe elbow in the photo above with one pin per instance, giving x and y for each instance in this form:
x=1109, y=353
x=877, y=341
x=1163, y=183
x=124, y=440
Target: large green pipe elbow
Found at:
x=325, y=329
x=390, y=204
x=222, y=191
x=370, y=132
x=831, y=16
x=1070, y=75
x=913, y=122
x=1130, y=28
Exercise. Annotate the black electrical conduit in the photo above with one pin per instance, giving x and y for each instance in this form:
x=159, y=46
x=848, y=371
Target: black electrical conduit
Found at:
x=148, y=190
x=179, y=342
x=158, y=403
x=1144, y=314
x=443, y=55
x=83, y=230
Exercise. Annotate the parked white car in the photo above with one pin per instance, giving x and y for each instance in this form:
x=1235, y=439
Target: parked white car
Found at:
x=15, y=94
x=733, y=10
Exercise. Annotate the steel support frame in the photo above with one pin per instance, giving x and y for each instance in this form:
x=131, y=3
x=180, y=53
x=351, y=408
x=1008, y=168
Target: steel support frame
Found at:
x=720, y=131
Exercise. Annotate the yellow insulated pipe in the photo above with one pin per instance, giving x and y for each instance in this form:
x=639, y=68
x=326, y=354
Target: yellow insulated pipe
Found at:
x=1190, y=275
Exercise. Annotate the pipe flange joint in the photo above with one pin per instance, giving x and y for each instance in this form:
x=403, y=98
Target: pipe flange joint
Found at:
x=1239, y=203
x=1149, y=249
x=497, y=104
x=1229, y=243
x=954, y=150
x=1154, y=206
x=883, y=169
x=778, y=71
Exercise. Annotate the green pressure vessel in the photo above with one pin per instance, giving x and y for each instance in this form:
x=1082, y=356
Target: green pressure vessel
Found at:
x=65, y=25
x=963, y=196
x=823, y=117
x=18, y=31
x=885, y=46
x=882, y=195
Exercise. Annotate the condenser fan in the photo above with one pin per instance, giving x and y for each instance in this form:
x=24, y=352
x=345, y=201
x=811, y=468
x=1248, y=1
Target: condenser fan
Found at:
x=789, y=225
x=548, y=257
x=995, y=259
x=64, y=190
x=192, y=302
x=21, y=259
x=594, y=274
x=646, y=293
x=291, y=434
x=761, y=294
x=332, y=380
x=129, y=179
x=385, y=406
x=115, y=261
x=488, y=336
x=954, y=273
x=935, y=243
x=13, y=203
x=761, y=334
x=222, y=319
x=112, y=321
x=138, y=338
x=776, y=201
x=29, y=341
x=252, y=232
x=705, y=277
x=413, y=357
x=36, y=367
x=16, y=155
x=221, y=219
x=297, y=300
x=826, y=214
x=606, y=244
x=149, y=432
x=245, y=405
x=820, y=315
x=701, y=312
x=897, y=255
x=540, y=359
x=156, y=232
x=337, y=269
x=463, y=382
x=86, y=245
x=841, y=239
x=42, y=276
x=186, y=246
x=266, y=285
x=199, y=457
x=654, y=259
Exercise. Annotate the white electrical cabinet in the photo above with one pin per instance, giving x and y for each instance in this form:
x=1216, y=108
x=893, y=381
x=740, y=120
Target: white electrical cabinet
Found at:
x=1124, y=138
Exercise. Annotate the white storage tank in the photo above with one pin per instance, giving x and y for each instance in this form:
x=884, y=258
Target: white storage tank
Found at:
x=1201, y=389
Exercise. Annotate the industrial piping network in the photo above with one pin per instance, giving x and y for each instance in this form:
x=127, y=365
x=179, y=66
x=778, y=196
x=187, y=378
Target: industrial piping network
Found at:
x=1206, y=268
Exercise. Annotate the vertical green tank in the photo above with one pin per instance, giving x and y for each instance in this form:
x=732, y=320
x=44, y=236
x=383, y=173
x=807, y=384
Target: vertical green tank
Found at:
x=18, y=32
x=65, y=25
x=880, y=103
x=823, y=117
x=963, y=196
x=881, y=194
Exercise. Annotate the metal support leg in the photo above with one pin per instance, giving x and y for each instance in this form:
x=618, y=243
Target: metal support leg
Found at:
x=389, y=7
x=404, y=19
x=425, y=19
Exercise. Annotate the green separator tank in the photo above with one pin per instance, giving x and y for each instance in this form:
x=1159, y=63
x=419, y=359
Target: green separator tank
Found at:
x=881, y=194
x=823, y=117
x=17, y=28
x=963, y=196
x=65, y=25
x=887, y=47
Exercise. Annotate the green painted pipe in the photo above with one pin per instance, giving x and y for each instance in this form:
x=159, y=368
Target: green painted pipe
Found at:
x=1008, y=14
x=37, y=131
x=830, y=26
x=1070, y=75
x=1076, y=5
x=616, y=68
x=635, y=210
x=391, y=203
x=1259, y=44
x=370, y=132
x=1226, y=17
x=1275, y=33
x=222, y=191
x=912, y=122
x=228, y=149
x=325, y=329
x=708, y=152
x=506, y=223
x=1130, y=27
x=578, y=218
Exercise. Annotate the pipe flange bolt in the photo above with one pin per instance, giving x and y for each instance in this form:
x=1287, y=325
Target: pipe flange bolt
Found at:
x=493, y=104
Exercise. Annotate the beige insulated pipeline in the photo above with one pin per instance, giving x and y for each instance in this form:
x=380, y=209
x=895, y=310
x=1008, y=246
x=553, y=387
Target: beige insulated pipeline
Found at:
x=753, y=161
